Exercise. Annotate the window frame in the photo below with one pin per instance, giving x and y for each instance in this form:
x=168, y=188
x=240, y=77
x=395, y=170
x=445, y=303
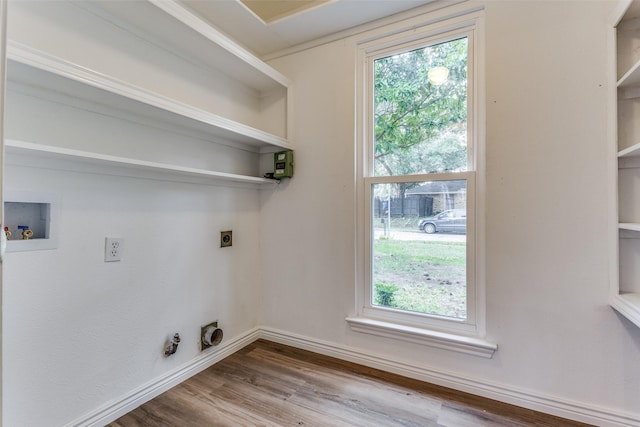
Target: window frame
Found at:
x=416, y=327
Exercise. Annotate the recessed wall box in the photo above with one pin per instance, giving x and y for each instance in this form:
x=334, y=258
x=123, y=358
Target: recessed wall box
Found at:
x=226, y=239
x=283, y=164
x=31, y=220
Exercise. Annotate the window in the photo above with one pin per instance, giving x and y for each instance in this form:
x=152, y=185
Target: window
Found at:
x=419, y=179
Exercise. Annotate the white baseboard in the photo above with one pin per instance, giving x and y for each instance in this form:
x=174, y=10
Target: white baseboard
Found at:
x=117, y=408
x=553, y=405
x=578, y=411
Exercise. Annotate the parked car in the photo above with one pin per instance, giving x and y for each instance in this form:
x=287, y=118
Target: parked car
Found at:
x=453, y=220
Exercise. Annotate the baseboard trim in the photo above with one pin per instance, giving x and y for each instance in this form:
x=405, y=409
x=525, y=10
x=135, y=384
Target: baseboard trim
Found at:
x=116, y=408
x=549, y=404
x=553, y=405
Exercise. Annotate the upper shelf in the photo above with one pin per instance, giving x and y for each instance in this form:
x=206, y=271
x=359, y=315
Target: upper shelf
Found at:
x=54, y=77
x=173, y=25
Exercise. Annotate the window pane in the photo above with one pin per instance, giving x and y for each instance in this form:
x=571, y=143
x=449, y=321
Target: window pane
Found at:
x=419, y=248
x=420, y=110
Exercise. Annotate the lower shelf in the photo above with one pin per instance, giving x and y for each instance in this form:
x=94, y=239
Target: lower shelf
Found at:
x=168, y=171
x=628, y=304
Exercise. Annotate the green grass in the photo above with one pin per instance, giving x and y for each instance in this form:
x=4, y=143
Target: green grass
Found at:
x=426, y=276
x=405, y=255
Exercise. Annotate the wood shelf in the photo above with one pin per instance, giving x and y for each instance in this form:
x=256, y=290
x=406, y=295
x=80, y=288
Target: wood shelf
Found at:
x=52, y=76
x=14, y=148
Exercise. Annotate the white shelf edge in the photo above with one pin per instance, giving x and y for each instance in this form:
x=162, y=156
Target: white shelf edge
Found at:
x=631, y=78
x=633, y=151
x=48, y=63
x=633, y=226
x=33, y=148
x=200, y=26
x=628, y=305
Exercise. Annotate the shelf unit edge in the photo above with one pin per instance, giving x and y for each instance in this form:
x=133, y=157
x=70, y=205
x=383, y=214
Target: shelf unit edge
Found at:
x=633, y=226
x=628, y=308
x=619, y=11
x=632, y=151
x=633, y=71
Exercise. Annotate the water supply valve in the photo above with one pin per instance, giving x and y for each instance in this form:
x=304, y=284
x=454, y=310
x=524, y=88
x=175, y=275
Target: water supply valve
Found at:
x=26, y=233
x=173, y=345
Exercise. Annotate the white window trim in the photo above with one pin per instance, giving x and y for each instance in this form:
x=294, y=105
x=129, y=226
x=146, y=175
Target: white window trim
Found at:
x=466, y=336
x=448, y=341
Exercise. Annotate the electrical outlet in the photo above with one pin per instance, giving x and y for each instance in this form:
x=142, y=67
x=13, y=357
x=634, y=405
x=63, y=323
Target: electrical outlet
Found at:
x=113, y=248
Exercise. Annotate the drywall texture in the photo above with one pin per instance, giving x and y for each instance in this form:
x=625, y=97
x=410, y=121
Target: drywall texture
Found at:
x=546, y=252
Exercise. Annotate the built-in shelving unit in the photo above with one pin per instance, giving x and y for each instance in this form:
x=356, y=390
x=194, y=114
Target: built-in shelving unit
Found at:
x=625, y=294
x=169, y=27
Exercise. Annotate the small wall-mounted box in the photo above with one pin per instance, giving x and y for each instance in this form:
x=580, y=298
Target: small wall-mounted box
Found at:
x=283, y=164
x=30, y=218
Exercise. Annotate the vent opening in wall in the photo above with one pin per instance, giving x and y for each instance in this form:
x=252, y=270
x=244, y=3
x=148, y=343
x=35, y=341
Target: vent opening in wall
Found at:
x=29, y=221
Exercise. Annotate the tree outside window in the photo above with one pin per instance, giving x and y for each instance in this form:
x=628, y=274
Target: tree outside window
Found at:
x=419, y=211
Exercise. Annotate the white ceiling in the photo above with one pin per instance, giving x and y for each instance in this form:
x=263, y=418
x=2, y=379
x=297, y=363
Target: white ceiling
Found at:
x=232, y=17
x=272, y=10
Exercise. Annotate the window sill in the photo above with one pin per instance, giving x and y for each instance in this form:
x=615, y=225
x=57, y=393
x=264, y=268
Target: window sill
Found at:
x=444, y=340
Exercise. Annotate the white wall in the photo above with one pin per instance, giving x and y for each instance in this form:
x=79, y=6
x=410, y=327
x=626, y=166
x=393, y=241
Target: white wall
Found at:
x=546, y=246
x=78, y=333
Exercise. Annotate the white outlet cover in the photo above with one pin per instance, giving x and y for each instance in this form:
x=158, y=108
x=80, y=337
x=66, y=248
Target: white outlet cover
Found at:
x=113, y=247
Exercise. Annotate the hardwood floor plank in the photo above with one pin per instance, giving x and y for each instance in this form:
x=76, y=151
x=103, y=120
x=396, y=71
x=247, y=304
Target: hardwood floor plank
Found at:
x=358, y=400
x=269, y=384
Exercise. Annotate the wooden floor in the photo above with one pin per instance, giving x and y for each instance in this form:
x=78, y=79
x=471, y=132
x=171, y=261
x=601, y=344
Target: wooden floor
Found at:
x=268, y=384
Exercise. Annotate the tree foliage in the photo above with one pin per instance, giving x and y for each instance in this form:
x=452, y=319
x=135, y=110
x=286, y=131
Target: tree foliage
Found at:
x=420, y=127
